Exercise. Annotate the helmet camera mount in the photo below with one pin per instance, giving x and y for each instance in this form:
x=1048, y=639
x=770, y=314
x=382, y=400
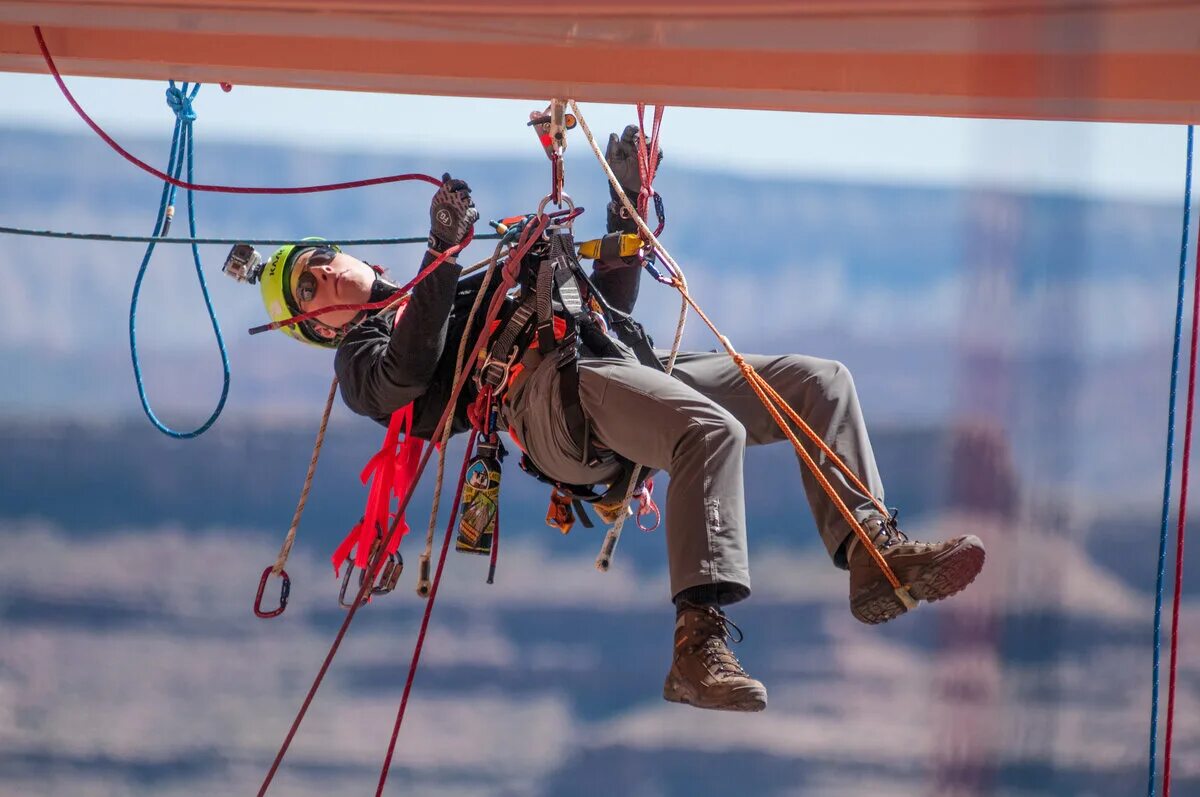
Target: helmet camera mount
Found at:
x=243, y=263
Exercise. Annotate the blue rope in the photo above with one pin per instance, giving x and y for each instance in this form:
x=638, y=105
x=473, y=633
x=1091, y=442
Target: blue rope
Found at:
x=180, y=101
x=1166, y=506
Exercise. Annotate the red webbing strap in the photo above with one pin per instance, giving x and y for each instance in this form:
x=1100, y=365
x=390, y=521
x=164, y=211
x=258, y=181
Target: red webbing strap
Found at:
x=389, y=471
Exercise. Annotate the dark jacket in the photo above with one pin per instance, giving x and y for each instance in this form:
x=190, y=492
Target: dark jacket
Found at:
x=381, y=369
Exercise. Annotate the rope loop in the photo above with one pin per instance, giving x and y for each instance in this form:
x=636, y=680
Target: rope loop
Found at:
x=179, y=101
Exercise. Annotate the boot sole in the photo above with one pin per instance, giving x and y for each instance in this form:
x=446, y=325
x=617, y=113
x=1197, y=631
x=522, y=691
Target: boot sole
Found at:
x=945, y=576
x=746, y=698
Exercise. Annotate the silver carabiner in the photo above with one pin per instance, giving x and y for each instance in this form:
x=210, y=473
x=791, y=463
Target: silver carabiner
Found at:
x=563, y=197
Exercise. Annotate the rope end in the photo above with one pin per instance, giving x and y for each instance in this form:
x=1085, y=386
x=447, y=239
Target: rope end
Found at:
x=423, y=584
x=907, y=599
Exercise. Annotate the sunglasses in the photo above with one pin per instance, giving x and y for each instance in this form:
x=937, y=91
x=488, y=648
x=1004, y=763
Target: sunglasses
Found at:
x=306, y=283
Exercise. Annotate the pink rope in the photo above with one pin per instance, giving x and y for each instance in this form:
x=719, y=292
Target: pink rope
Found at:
x=221, y=189
x=1180, y=534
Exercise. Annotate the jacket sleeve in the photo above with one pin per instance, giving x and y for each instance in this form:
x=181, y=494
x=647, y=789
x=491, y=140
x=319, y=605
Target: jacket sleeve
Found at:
x=379, y=373
x=618, y=279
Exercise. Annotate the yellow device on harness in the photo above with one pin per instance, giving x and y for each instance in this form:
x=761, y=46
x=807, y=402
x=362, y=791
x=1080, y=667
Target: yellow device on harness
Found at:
x=629, y=246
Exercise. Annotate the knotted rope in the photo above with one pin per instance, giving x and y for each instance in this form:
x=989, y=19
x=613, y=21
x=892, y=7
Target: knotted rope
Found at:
x=179, y=99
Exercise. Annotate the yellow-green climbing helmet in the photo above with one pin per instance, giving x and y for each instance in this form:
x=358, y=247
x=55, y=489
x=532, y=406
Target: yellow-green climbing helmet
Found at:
x=277, y=288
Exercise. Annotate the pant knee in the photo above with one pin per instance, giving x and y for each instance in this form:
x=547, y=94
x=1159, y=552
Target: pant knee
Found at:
x=714, y=429
x=834, y=379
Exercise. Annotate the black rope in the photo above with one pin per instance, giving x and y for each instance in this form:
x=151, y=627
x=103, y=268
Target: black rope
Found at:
x=87, y=236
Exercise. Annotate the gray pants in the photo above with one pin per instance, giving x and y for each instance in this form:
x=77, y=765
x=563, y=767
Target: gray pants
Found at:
x=695, y=425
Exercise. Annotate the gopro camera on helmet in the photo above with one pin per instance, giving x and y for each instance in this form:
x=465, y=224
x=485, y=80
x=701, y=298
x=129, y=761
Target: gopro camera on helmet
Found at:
x=244, y=263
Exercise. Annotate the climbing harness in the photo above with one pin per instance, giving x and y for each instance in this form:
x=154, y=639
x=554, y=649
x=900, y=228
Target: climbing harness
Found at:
x=180, y=101
x=559, y=314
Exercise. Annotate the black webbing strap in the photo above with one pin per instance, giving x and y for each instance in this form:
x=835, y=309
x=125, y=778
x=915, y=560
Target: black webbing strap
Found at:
x=544, y=300
x=495, y=369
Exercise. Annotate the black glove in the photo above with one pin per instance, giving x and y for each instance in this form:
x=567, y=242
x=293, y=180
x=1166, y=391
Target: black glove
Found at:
x=452, y=214
x=622, y=157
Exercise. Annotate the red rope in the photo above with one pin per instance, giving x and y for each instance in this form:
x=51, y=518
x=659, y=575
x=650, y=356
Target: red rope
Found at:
x=647, y=156
x=420, y=644
x=530, y=235
x=221, y=189
x=337, y=640
x=1180, y=534
x=382, y=303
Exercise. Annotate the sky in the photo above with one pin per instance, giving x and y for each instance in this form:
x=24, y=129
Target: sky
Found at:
x=1109, y=160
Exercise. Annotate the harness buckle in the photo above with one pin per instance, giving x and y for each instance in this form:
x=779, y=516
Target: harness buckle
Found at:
x=568, y=347
x=494, y=373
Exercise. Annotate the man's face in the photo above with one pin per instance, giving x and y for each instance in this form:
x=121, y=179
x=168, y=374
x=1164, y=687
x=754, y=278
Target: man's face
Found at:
x=322, y=278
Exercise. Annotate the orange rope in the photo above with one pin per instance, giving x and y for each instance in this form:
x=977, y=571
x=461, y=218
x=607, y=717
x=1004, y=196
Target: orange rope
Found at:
x=766, y=394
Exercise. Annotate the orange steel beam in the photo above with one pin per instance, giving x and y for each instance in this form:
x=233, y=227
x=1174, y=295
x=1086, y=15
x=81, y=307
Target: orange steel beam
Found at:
x=1101, y=60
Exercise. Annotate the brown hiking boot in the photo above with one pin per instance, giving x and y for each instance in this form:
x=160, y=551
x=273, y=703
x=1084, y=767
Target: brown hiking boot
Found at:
x=930, y=571
x=704, y=672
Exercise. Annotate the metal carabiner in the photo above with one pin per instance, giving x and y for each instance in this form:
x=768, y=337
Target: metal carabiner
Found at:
x=284, y=591
x=389, y=576
x=346, y=585
x=563, y=197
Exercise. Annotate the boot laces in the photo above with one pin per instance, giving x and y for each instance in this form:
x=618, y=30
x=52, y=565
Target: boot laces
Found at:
x=717, y=631
x=889, y=534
